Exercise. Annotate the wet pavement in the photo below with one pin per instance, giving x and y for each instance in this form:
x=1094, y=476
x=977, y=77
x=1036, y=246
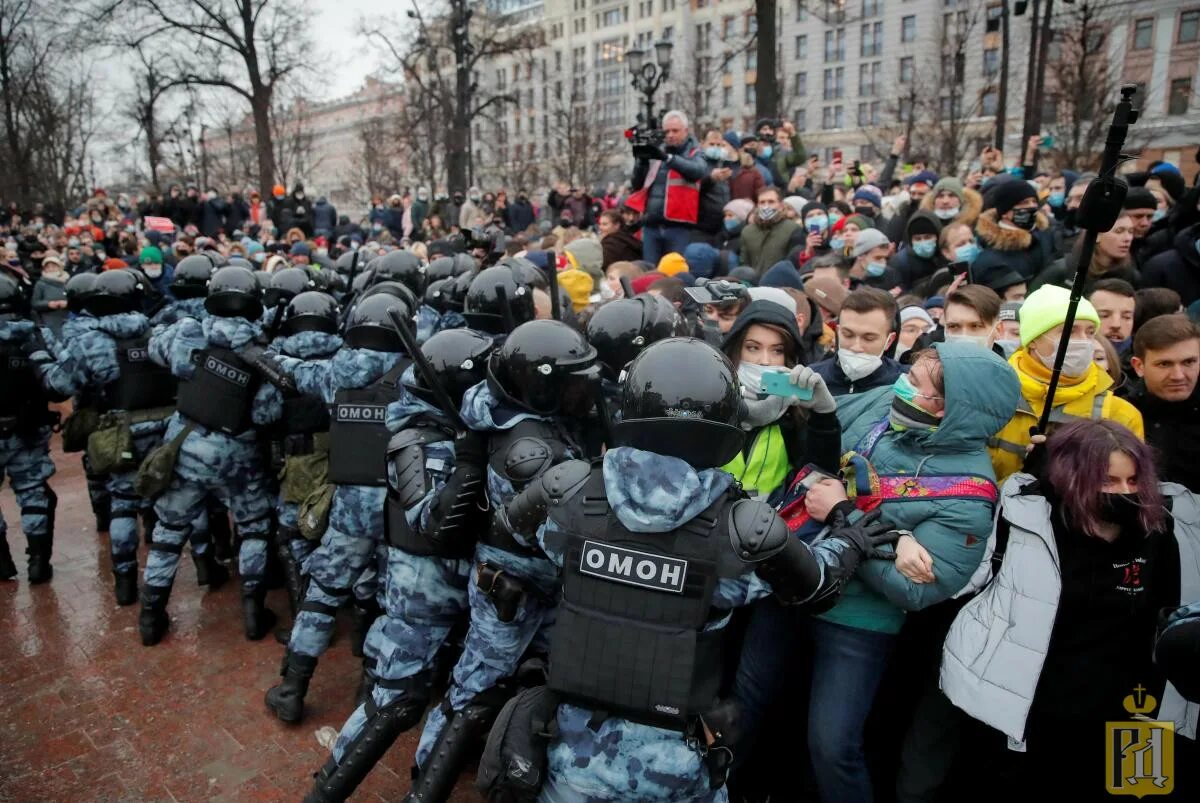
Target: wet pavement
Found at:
x=89, y=714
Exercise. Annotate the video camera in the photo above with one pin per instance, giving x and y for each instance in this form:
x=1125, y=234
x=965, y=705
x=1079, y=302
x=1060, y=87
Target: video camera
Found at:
x=642, y=135
x=717, y=291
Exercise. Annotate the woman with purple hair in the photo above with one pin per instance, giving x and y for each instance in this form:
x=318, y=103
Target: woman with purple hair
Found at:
x=1086, y=557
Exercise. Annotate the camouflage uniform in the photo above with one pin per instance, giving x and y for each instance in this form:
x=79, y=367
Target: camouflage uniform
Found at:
x=493, y=649
x=97, y=484
x=355, y=529
x=88, y=361
x=176, y=310
x=25, y=459
x=427, y=323
x=211, y=462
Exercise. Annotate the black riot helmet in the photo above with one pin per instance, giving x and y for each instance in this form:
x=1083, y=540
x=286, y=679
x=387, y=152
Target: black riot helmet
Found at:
x=681, y=398
x=345, y=262
x=623, y=327
x=399, y=266
x=237, y=262
x=12, y=299
x=310, y=311
x=191, y=276
x=369, y=326
x=114, y=292
x=395, y=290
x=459, y=358
x=234, y=292
x=546, y=367
x=498, y=296
x=440, y=268
x=437, y=294
x=78, y=288
x=286, y=284
x=328, y=281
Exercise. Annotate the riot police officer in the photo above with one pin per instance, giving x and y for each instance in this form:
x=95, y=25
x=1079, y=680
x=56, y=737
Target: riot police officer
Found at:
x=25, y=424
x=433, y=509
x=360, y=381
x=220, y=402
x=500, y=298
x=133, y=396
x=657, y=545
x=189, y=286
x=541, y=384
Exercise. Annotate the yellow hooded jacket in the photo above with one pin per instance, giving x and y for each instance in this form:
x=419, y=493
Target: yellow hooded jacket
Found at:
x=1087, y=397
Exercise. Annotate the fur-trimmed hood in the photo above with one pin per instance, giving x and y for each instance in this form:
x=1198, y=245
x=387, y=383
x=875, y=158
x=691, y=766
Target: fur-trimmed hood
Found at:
x=1002, y=238
x=968, y=213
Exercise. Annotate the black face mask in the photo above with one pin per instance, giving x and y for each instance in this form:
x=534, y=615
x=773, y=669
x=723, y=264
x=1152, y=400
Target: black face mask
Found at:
x=1024, y=218
x=1068, y=218
x=865, y=211
x=1122, y=510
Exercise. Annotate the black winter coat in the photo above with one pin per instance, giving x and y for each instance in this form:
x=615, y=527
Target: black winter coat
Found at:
x=1179, y=268
x=1004, y=249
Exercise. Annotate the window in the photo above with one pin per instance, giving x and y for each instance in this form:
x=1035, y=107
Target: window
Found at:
x=726, y=97
x=668, y=5
x=989, y=103
x=802, y=120
x=950, y=107
x=906, y=70
x=1189, y=27
x=835, y=45
x=908, y=28
x=838, y=120
x=827, y=117
x=752, y=59
x=994, y=15
x=872, y=39
x=801, y=10
x=558, y=61
x=668, y=33
x=728, y=31
x=1050, y=104
x=1181, y=92
x=751, y=95
x=1143, y=33
x=871, y=8
x=991, y=61
x=802, y=46
x=800, y=85
x=834, y=84
x=904, y=110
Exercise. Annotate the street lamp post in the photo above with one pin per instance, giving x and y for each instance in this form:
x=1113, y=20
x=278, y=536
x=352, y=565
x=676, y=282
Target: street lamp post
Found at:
x=648, y=76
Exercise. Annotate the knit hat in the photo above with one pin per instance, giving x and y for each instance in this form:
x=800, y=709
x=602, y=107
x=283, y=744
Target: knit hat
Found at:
x=300, y=249
x=910, y=312
x=578, y=286
x=827, y=293
x=782, y=274
x=744, y=274
x=1005, y=191
x=1002, y=280
x=796, y=203
x=587, y=255
x=672, y=263
x=112, y=263
x=774, y=295
x=870, y=195
x=642, y=283
x=935, y=302
x=1010, y=311
x=923, y=222
x=279, y=190
x=862, y=221
x=150, y=254
x=701, y=259
x=1046, y=308
x=733, y=139
x=53, y=258
x=813, y=206
x=866, y=240
x=740, y=207
x=927, y=177
x=1139, y=198
x=1171, y=179
x=950, y=184
x=764, y=311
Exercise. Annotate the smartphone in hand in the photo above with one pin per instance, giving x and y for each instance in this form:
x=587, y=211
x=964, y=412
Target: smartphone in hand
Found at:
x=775, y=383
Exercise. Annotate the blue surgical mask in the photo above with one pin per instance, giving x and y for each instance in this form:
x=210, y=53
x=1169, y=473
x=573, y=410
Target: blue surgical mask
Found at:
x=876, y=269
x=1057, y=199
x=966, y=253
x=732, y=224
x=834, y=217
x=820, y=221
x=905, y=389
x=715, y=153
x=838, y=243
x=947, y=214
x=766, y=152
x=925, y=248
x=1158, y=215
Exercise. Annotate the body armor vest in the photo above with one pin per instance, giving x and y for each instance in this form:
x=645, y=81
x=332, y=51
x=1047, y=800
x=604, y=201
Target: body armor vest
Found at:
x=220, y=394
x=304, y=415
x=458, y=525
x=22, y=395
x=496, y=532
x=358, y=433
x=142, y=384
x=630, y=638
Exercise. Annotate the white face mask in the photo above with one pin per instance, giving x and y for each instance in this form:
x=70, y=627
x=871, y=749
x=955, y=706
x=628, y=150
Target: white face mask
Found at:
x=947, y=214
x=983, y=341
x=1077, y=361
x=856, y=365
x=751, y=376
x=153, y=271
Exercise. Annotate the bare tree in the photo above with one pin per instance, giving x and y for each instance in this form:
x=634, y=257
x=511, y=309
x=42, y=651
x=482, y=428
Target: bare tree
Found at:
x=63, y=112
x=151, y=84
x=376, y=164
x=1081, y=85
x=24, y=59
x=247, y=47
x=292, y=136
x=584, y=142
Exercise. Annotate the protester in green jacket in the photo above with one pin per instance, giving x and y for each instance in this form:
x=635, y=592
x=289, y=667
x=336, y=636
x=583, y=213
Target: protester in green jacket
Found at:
x=770, y=235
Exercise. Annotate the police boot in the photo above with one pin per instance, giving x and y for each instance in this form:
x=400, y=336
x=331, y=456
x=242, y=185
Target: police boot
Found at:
x=8, y=569
x=153, y=620
x=257, y=618
x=365, y=614
x=40, y=570
x=125, y=585
x=209, y=571
x=336, y=782
x=287, y=699
x=462, y=733
x=275, y=575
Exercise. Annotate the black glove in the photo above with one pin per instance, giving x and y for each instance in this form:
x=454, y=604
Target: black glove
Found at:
x=865, y=535
x=469, y=448
x=649, y=151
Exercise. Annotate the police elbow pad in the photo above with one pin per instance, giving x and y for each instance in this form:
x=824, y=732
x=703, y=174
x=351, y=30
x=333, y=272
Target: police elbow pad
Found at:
x=756, y=532
x=554, y=487
x=794, y=573
x=407, y=458
x=527, y=459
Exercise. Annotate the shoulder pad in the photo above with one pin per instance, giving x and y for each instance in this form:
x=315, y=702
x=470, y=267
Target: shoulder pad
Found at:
x=526, y=459
x=408, y=437
x=756, y=532
x=407, y=458
x=564, y=480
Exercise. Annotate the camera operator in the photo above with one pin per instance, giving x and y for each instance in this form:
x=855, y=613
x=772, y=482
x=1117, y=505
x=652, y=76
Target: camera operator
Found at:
x=669, y=175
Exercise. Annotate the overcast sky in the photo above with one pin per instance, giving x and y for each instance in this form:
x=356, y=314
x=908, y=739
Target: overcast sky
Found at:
x=350, y=56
